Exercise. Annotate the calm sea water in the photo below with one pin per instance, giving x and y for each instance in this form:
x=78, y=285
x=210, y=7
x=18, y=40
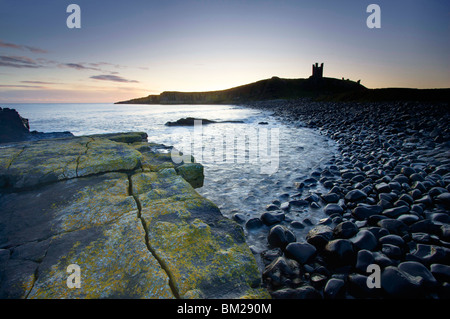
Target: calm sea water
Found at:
x=236, y=186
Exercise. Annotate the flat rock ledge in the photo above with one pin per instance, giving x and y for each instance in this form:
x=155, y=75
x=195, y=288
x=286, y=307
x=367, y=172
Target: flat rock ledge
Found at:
x=125, y=213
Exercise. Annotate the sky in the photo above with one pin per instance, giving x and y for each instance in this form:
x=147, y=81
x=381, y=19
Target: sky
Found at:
x=133, y=48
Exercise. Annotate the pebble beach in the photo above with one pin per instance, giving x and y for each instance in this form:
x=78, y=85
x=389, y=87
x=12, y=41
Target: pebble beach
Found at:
x=387, y=205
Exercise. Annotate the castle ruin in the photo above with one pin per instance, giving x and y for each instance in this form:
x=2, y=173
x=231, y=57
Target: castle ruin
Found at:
x=317, y=71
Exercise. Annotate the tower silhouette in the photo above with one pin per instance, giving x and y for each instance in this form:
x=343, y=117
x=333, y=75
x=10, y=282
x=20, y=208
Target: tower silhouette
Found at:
x=317, y=71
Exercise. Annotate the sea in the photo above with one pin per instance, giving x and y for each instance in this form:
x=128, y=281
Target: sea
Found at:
x=251, y=158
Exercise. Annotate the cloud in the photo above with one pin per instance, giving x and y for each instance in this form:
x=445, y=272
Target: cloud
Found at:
x=117, y=66
x=47, y=61
x=18, y=62
x=18, y=59
x=96, y=66
x=114, y=78
x=38, y=82
x=35, y=50
x=21, y=47
x=100, y=64
x=78, y=66
x=23, y=86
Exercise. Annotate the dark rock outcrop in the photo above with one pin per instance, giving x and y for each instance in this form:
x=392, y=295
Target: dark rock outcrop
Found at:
x=15, y=128
x=190, y=121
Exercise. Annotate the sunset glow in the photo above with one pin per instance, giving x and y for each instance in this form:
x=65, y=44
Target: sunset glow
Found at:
x=132, y=49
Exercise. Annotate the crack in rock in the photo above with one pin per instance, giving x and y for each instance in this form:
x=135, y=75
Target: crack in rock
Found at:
x=15, y=157
x=161, y=262
x=85, y=152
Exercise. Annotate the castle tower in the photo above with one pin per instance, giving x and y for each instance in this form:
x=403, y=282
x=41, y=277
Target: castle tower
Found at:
x=317, y=71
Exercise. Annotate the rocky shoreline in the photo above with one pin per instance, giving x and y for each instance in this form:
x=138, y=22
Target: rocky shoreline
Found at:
x=118, y=208
x=388, y=204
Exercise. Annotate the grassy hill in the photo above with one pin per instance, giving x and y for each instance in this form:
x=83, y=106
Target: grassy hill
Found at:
x=269, y=89
x=327, y=89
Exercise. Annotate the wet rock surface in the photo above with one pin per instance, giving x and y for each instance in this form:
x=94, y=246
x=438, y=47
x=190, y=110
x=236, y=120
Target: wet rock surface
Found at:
x=119, y=208
x=386, y=197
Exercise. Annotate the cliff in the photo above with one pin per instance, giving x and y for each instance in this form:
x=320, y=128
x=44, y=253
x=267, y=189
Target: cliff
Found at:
x=269, y=89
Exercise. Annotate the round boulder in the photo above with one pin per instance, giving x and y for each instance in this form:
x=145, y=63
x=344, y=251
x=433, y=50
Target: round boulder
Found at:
x=416, y=269
x=334, y=289
x=280, y=236
x=272, y=218
x=364, y=211
x=319, y=236
x=301, y=252
x=281, y=272
x=363, y=260
x=253, y=223
x=364, y=239
x=355, y=195
x=401, y=284
x=339, y=252
x=345, y=230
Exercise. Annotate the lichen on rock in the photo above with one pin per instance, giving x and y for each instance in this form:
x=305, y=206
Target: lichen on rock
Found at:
x=120, y=209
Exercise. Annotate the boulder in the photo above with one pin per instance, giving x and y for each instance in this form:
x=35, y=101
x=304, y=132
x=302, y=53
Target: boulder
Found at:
x=192, y=173
x=364, y=239
x=440, y=272
x=399, y=284
x=339, y=252
x=269, y=255
x=429, y=254
x=345, y=230
x=396, y=211
x=392, y=251
x=409, y=280
x=443, y=200
x=271, y=218
x=363, y=260
x=280, y=236
x=355, y=195
x=393, y=240
x=253, y=223
x=301, y=252
x=331, y=209
x=416, y=269
x=358, y=288
x=331, y=197
x=334, y=289
x=364, y=211
x=393, y=226
x=281, y=272
x=319, y=236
